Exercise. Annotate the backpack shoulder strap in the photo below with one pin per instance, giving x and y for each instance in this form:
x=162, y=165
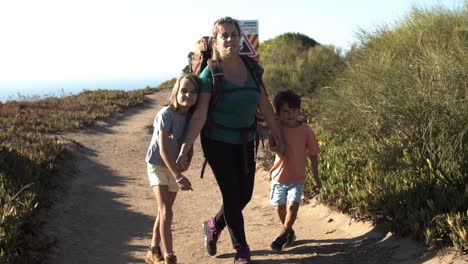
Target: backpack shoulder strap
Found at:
x=218, y=80
x=255, y=69
x=216, y=92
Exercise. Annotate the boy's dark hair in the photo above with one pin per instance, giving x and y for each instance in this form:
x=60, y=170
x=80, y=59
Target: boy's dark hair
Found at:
x=287, y=96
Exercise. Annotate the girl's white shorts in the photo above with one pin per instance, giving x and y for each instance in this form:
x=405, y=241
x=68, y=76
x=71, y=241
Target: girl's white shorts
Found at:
x=160, y=175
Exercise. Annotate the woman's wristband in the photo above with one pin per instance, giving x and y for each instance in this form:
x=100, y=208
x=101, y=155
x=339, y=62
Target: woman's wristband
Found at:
x=180, y=179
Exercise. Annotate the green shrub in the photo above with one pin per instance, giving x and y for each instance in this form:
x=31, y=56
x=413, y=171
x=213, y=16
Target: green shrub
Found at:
x=401, y=106
x=28, y=154
x=298, y=62
x=167, y=84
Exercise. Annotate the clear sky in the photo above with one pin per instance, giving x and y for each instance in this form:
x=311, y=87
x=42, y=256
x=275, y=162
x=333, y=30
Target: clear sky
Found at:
x=60, y=40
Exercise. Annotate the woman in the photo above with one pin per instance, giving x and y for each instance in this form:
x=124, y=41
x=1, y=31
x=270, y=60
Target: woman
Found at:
x=229, y=149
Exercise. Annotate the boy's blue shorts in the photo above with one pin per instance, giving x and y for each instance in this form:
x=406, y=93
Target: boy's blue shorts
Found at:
x=283, y=193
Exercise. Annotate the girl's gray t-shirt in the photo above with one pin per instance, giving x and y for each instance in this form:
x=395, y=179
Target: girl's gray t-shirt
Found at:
x=170, y=122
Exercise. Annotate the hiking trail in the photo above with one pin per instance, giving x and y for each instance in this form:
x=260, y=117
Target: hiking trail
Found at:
x=105, y=209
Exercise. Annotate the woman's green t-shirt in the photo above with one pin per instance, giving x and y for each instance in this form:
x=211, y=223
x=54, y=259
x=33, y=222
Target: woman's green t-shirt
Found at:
x=235, y=109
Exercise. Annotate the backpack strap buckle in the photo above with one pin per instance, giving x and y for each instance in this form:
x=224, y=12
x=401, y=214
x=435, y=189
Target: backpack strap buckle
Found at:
x=217, y=74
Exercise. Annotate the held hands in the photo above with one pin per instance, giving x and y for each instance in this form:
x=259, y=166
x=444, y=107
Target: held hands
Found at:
x=184, y=183
x=183, y=161
x=277, y=146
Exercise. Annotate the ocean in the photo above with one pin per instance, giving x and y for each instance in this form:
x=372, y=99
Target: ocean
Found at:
x=28, y=90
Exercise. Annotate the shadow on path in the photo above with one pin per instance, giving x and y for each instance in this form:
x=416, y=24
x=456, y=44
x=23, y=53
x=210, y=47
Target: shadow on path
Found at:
x=365, y=249
x=96, y=223
x=90, y=219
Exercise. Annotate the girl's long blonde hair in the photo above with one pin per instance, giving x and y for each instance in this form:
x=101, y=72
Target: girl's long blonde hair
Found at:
x=172, y=102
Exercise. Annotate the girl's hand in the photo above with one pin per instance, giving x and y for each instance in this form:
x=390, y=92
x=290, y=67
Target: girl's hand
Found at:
x=185, y=184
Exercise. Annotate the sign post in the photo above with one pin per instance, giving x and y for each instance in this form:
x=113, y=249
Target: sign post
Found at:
x=249, y=38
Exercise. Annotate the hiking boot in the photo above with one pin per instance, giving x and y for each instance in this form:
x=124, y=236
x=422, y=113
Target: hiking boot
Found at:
x=154, y=255
x=290, y=239
x=170, y=259
x=242, y=255
x=210, y=235
x=279, y=241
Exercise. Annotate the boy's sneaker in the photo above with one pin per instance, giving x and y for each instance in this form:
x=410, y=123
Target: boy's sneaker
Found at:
x=279, y=242
x=154, y=255
x=170, y=259
x=210, y=235
x=242, y=255
x=290, y=239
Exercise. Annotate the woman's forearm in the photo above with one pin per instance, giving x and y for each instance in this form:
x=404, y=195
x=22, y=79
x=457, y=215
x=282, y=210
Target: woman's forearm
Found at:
x=168, y=159
x=195, y=126
x=267, y=111
x=196, y=123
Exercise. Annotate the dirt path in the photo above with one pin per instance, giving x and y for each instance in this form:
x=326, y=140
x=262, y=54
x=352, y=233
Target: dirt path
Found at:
x=106, y=211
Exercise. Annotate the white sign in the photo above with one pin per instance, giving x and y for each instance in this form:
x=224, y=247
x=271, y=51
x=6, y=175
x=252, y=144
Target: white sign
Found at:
x=249, y=27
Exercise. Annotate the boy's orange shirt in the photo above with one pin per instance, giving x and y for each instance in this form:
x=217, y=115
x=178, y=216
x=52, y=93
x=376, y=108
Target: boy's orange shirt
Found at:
x=300, y=142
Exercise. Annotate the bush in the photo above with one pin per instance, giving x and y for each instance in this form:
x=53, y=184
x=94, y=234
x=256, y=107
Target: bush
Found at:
x=28, y=154
x=298, y=62
x=402, y=102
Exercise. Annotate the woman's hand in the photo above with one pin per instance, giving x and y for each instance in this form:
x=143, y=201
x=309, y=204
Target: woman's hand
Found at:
x=184, y=158
x=279, y=147
x=276, y=145
x=183, y=161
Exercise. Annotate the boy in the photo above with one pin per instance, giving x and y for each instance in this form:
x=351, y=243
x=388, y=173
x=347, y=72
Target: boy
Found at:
x=288, y=171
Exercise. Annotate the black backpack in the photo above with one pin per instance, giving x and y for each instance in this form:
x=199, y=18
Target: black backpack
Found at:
x=199, y=59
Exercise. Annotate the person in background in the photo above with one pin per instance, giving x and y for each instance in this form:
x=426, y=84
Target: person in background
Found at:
x=164, y=175
x=288, y=173
x=227, y=138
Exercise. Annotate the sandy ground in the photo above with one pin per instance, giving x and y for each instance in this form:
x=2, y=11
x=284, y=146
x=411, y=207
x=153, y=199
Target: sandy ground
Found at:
x=105, y=210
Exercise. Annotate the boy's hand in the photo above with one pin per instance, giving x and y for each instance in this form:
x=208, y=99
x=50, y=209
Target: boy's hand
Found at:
x=276, y=146
x=273, y=149
x=318, y=182
x=281, y=148
x=185, y=184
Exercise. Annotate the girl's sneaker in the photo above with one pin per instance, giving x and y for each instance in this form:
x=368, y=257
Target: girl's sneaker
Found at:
x=242, y=255
x=154, y=255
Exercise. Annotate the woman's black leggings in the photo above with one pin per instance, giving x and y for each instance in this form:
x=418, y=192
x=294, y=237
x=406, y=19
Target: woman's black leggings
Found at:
x=227, y=163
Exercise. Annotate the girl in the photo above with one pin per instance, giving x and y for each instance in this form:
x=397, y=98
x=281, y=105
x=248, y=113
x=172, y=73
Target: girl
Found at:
x=164, y=175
